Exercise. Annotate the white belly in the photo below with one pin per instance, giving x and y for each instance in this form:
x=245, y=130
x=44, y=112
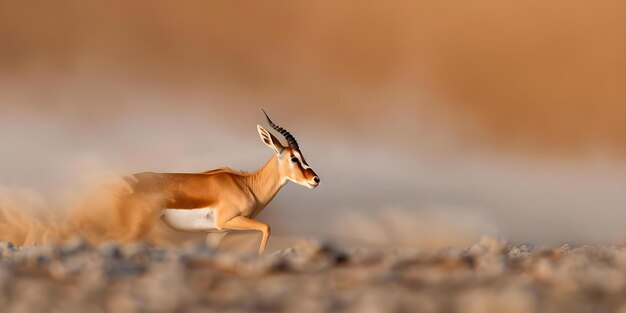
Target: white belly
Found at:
x=201, y=219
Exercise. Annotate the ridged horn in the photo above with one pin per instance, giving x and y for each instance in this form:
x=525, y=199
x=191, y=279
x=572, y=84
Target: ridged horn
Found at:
x=291, y=140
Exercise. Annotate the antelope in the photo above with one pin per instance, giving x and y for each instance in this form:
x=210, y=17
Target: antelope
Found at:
x=220, y=200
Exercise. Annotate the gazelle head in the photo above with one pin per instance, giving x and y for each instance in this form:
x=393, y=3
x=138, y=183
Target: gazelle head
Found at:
x=291, y=163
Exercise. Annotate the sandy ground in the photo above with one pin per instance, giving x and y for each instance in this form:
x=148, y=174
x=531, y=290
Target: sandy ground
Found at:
x=489, y=276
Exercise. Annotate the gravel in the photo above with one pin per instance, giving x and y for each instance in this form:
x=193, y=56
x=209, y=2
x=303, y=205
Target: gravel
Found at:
x=489, y=276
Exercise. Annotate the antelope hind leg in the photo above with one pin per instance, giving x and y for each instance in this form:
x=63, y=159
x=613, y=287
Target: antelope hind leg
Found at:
x=213, y=239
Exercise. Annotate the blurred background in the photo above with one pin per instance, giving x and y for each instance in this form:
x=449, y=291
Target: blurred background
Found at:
x=430, y=123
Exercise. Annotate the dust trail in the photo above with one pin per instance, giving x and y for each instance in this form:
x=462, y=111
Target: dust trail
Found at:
x=23, y=219
x=91, y=212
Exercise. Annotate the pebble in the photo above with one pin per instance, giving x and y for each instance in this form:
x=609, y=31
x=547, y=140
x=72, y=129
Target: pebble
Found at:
x=313, y=276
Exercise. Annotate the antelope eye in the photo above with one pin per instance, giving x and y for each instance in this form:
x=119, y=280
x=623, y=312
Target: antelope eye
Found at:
x=294, y=160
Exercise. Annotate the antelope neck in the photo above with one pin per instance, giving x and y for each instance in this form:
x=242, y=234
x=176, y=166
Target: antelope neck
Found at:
x=265, y=182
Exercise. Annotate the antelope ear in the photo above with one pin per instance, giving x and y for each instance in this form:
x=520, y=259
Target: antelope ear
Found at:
x=270, y=140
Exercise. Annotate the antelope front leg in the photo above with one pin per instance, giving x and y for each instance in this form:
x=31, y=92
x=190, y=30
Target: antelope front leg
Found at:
x=244, y=223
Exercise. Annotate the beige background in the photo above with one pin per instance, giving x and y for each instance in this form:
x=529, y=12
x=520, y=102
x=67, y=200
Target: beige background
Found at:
x=430, y=123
